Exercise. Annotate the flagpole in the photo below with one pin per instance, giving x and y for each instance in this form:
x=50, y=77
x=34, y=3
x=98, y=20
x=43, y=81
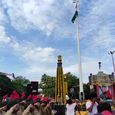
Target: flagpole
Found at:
x=81, y=92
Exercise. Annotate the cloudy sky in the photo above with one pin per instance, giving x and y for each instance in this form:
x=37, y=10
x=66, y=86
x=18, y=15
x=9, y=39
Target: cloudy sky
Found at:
x=34, y=32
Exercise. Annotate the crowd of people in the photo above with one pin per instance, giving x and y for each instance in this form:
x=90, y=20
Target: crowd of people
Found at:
x=16, y=104
x=93, y=106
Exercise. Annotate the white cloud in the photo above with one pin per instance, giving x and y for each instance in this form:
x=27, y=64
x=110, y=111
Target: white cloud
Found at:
x=3, y=37
x=27, y=51
x=34, y=56
x=40, y=54
x=40, y=70
x=87, y=68
x=31, y=53
x=2, y=16
x=33, y=14
x=90, y=65
x=97, y=26
x=104, y=38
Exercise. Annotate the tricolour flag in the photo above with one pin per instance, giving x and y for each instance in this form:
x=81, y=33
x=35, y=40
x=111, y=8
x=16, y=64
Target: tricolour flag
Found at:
x=75, y=14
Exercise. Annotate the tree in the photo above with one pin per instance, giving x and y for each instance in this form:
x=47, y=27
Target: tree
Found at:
x=6, y=86
x=73, y=82
x=71, y=79
x=19, y=84
x=48, y=85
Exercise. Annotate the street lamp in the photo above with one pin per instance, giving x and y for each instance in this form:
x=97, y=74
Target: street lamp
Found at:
x=99, y=65
x=111, y=53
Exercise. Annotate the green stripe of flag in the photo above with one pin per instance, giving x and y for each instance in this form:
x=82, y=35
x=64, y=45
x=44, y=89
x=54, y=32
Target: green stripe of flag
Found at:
x=74, y=16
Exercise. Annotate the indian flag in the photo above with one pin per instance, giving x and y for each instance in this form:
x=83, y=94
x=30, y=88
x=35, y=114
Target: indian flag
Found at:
x=75, y=14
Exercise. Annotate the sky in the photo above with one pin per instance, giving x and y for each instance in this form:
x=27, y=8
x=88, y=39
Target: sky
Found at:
x=34, y=32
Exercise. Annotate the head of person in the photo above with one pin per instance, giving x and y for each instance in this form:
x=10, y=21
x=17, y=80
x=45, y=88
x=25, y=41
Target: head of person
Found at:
x=69, y=101
x=104, y=106
x=92, y=95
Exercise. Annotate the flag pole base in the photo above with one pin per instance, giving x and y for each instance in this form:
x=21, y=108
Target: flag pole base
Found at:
x=81, y=95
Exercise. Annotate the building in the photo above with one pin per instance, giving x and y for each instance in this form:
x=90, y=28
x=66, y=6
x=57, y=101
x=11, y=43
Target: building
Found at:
x=102, y=82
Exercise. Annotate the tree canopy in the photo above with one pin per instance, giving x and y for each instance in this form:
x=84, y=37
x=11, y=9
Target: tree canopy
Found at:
x=48, y=83
x=19, y=84
x=71, y=79
x=5, y=85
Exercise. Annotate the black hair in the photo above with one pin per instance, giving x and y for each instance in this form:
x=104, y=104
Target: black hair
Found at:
x=69, y=101
x=103, y=106
x=92, y=95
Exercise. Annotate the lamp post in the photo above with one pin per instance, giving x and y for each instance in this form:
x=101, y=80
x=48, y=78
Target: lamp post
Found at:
x=99, y=65
x=111, y=53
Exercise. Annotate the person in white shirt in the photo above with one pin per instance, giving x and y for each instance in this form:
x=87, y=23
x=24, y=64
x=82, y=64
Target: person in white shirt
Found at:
x=70, y=107
x=91, y=104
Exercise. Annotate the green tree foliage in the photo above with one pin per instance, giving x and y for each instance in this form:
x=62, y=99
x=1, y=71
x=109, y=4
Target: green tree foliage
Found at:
x=19, y=84
x=5, y=85
x=71, y=79
x=48, y=85
x=73, y=82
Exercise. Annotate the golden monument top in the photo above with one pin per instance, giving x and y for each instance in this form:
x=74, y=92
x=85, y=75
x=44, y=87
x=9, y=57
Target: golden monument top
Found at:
x=59, y=58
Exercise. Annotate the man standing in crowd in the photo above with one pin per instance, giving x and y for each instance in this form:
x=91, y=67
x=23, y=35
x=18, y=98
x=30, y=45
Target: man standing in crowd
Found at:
x=91, y=104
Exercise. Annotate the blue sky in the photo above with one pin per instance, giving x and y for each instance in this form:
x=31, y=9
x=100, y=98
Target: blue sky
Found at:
x=34, y=32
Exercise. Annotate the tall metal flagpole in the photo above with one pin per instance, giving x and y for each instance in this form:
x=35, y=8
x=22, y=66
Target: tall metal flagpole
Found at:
x=81, y=92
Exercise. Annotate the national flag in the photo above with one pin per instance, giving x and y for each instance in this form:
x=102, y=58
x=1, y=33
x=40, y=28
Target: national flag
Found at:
x=75, y=14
